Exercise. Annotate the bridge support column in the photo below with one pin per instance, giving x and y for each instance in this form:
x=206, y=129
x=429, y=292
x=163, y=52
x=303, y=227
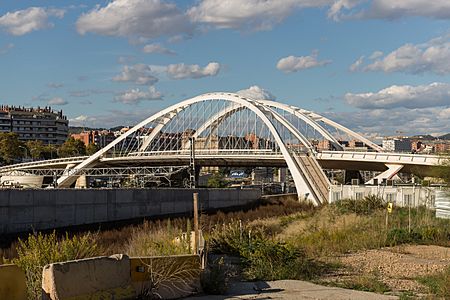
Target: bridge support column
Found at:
x=82, y=182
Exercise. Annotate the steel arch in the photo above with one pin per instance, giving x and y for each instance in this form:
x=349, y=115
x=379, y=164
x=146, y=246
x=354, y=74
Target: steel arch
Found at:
x=300, y=180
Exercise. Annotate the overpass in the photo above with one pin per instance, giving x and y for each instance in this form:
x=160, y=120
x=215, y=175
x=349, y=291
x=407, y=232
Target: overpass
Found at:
x=226, y=129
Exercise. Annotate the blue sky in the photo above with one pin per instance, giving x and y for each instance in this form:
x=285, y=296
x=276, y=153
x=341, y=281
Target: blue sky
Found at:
x=377, y=66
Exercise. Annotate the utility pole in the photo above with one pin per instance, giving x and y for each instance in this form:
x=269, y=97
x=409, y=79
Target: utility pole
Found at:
x=192, y=163
x=196, y=233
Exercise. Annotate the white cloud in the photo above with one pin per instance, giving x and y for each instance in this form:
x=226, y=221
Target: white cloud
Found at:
x=25, y=21
x=134, y=96
x=183, y=71
x=138, y=74
x=5, y=49
x=296, y=63
x=257, y=93
x=88, y=92
x=432, y=95
x=335, y=11
x=157, y=48
x=111, y=118
x=375, y=55
x=393, y=9
x=255, y=15
x=57, y=101
x=382, y=122
x=55, y=85
x=432, y=56
x=135, y=18
x=357, y=64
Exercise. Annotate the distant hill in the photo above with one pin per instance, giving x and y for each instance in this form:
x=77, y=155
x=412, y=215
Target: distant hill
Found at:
x=78, y=129
x=445, y=137
x=423, y=137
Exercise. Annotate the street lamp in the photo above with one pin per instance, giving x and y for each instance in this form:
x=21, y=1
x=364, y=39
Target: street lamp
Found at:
x=26, y=151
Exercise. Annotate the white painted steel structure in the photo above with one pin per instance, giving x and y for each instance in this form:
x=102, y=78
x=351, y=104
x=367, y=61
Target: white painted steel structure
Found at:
x=230, y=129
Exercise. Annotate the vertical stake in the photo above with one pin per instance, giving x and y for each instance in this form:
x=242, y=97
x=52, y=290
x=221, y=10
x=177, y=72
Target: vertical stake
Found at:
x=196, y=237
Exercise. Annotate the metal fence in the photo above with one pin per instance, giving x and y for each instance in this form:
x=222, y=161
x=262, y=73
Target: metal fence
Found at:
x=443, y=204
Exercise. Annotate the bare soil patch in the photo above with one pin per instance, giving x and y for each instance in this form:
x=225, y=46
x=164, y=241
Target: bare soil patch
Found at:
x=396, y=267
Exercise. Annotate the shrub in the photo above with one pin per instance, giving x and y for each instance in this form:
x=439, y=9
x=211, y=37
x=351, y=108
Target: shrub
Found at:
x=366, y=206
x=214, y=278
x=263, y=256
x=156, y=243
x=39, y=250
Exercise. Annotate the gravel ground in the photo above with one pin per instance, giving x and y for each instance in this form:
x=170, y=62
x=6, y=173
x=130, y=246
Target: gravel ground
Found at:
x=398, y=267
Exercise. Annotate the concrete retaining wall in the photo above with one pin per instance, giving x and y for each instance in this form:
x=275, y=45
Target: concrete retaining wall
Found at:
x=24, y=210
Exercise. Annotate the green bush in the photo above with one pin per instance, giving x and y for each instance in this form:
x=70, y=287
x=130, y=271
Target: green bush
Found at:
x=39, y=250
x=214, y=278
x=366, y=206
x=263, y=256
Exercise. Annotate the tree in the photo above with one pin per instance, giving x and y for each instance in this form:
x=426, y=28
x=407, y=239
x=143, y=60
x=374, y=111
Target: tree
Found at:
x=72, y=147
x=35, y=148
x=10, y=147
x=216, y=180
x=443, y=170
x=91, y=149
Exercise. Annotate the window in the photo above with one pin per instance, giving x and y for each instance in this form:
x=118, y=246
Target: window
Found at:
x=391, y=197
x=407, y=200
x=359, y=195
x=336, y=196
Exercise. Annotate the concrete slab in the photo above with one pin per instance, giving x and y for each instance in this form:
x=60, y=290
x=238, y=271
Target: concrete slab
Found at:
x=12, y=283
x=290, y=290
x=92, y=278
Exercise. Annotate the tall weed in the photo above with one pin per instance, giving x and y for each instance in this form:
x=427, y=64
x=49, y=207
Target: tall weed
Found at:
x=39, y=250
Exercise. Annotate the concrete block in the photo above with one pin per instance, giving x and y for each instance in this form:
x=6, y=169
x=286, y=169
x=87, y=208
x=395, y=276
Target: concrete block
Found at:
x=92, y=278
x=166, y=277
x=21, y=198
x=44, y=214
x=21, y=214
x=100, y=212
x=12, y=283
x=64, y=215
x=64, y=197
x=85, y=196
x=4, y=198
x=84, y=214
x=123, y=211
x=123, y=196
x=43, y=198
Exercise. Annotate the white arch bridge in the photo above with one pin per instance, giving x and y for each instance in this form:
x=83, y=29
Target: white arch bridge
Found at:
x=226, y=129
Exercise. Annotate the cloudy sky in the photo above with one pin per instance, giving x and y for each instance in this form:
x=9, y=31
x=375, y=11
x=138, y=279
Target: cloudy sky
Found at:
x=377, y=66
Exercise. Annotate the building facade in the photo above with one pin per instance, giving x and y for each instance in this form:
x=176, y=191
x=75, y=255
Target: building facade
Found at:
x=397, y=145
x=101, y=138
x=42, y=124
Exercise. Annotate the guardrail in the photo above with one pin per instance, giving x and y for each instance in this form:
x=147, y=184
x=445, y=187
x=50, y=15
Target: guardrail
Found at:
x=385, y=157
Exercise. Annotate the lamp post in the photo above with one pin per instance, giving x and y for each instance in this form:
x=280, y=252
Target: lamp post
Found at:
x=26, y=152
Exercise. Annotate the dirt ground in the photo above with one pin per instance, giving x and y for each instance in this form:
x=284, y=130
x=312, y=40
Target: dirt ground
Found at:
x=397, y=267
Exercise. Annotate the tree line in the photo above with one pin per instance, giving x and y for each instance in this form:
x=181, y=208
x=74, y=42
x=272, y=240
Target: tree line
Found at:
x=13, y=150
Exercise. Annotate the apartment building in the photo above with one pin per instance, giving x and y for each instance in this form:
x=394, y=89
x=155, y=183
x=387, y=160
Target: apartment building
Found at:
x=44, y=124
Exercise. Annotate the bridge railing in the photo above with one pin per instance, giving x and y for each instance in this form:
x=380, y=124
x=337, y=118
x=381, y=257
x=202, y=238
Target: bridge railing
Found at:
x=387, y=157
x=207, y=152
x=45, y=162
